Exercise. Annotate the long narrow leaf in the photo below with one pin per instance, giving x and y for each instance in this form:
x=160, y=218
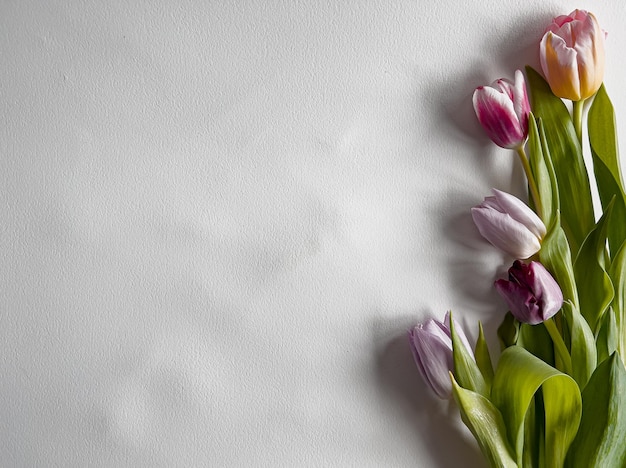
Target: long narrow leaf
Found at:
x=466, y=370
x=595, y=288
x=540, y=172
x=604, y=150
x=600, y=440
x=483, y=358
x=582, y=345
x=574, y=188
x=617, y=272
x=556, y=257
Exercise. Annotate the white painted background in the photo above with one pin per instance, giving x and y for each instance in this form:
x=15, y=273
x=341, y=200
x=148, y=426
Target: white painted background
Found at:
x=218, y=219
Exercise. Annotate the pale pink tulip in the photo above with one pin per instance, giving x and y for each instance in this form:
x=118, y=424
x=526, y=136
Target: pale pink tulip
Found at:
x=509, y=224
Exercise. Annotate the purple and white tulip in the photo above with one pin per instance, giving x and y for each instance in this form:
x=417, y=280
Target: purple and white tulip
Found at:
x=531, y=292
x=431, y=344
x=502, y=109
x=509, y=224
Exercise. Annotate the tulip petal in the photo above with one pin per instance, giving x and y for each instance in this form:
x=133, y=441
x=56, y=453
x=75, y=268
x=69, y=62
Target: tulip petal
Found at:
x=558, y=62
x=521, y=105
x=520, y=212
x=496, y=113
x=431, y=345
x=505, y=233
x=531, y=293
x=520, y=301
x=547, y=289
x=432, y=350
x=434, y=357
x=589, y=48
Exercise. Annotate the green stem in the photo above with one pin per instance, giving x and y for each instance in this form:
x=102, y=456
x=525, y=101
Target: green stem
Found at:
x=578, y=119
x=532, y=185
x=559, y=346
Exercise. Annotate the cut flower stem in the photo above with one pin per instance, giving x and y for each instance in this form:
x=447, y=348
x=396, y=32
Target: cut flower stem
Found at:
x=532, y=185
x=577, y=117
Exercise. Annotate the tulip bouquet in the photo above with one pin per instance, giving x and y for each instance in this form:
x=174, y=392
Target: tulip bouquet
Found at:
x=557, y=396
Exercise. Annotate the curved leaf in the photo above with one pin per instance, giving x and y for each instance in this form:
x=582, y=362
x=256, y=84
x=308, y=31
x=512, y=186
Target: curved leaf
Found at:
x=582, y=344
x=518, y=378
x=595, y=288
x=605, y=155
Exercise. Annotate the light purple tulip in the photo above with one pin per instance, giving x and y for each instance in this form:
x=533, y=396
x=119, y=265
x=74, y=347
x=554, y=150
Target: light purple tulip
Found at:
x=431, y=344
x=502, y=109
x=531, y=293
x=509, y=224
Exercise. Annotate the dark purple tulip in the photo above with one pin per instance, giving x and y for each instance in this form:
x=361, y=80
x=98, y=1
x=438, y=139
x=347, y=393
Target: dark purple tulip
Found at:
x=531, y=293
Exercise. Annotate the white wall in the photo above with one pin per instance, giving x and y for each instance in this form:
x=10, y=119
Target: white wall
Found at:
x=218, y=219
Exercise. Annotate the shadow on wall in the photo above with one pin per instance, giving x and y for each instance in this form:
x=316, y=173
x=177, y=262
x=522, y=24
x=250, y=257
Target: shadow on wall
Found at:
x=476, y=264
x=471, y=272
x=436, y=423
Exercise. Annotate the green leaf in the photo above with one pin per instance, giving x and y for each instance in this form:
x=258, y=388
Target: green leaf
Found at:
x=605, y=156
x=606, y=338
x=466, y=370
x=582, y=344
x=517, y=379
x=533, y=433
x=555, y=256
x=600, y=440
x=595, y=288
x=483, y=359
x=537, y=341
x=486, y=424
x=576, y=205
x=617, y=272
x=539, y=170
x=542, y=170
x=508, y=331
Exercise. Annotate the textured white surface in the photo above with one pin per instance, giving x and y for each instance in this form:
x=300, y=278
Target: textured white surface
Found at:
x=220, y=218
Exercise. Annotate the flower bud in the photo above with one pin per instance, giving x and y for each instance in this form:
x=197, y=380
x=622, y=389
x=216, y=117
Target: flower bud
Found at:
x=572, y=55
x=431, y=344
x=509, y=224
x=502, y=109
x=531, y=293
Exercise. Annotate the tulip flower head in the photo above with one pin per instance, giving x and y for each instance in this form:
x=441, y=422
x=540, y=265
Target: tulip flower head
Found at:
x=509, y=224
x=572, y=55
x=431, y=344
x=502, y=109
x=531, y=293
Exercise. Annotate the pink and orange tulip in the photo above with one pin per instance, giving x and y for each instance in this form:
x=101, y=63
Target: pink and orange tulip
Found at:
x=572, y=55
